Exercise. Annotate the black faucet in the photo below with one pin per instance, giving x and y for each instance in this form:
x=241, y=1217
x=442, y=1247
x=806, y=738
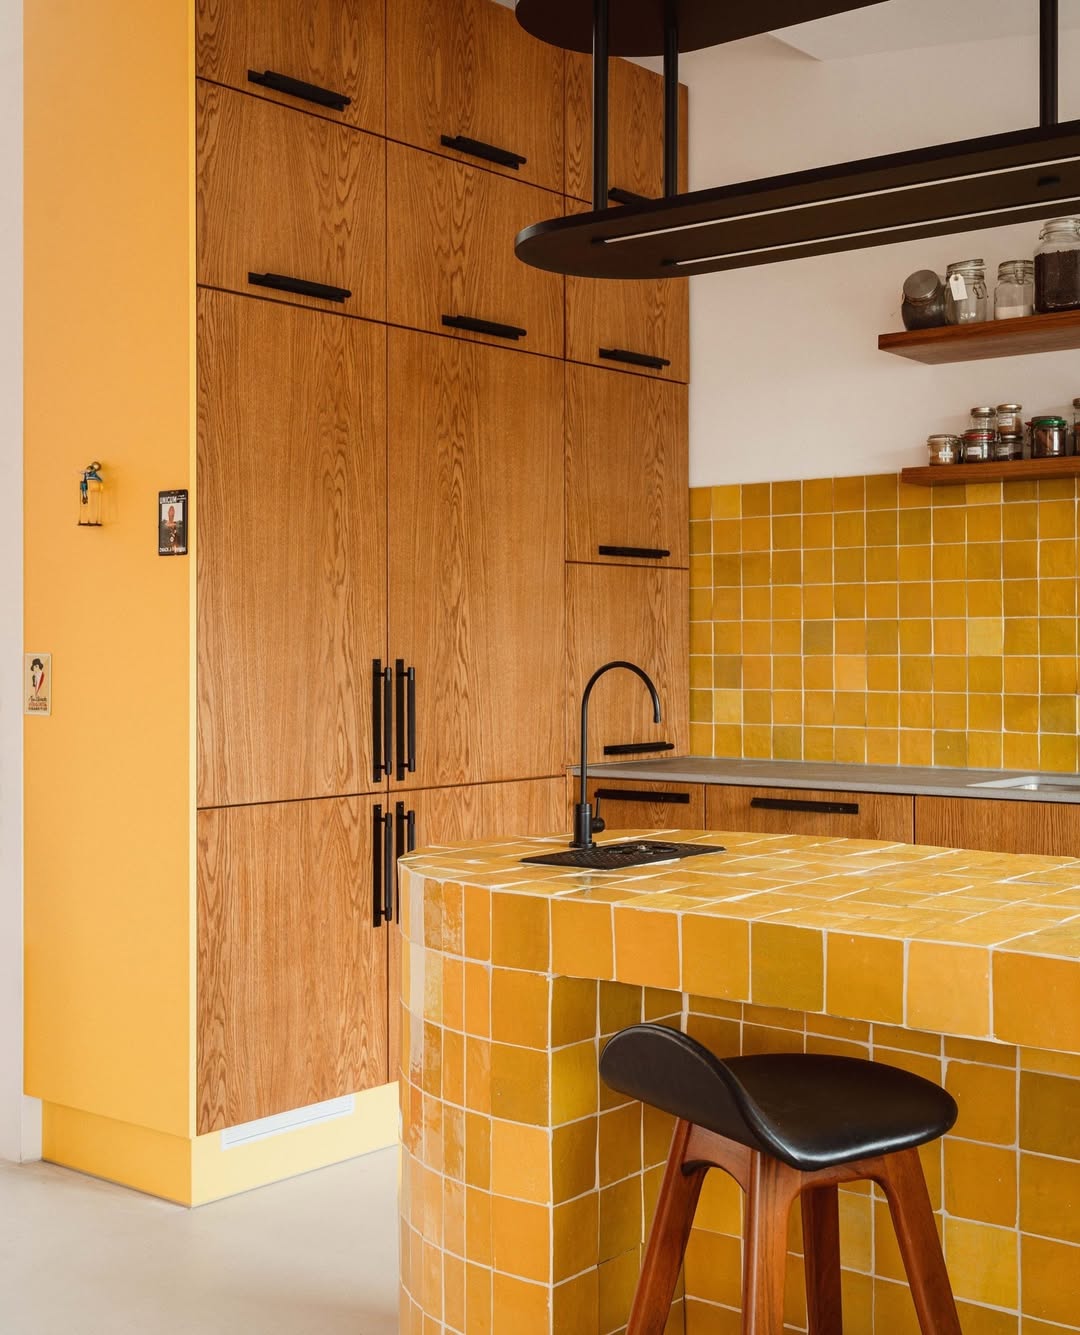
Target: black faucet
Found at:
x=584, y=826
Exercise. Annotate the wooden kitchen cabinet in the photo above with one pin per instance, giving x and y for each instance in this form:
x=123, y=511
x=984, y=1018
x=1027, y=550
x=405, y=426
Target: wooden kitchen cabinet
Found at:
x=886, y=816
x=626, y=468
x=284, y=199
x=642, y=804
x=636, y=136
x=335, y=48
x=476, y=557
x=436, y=53
x=292, y=550
x=637, y=613
x=292, y=971
x=450, y=253
x=999, y=825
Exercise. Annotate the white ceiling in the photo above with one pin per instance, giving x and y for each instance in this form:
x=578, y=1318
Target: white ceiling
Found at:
x=899, y=25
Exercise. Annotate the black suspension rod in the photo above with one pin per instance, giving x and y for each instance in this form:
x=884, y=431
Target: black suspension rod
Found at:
x=601, y=19
x=1049, y=42
x=671, y=100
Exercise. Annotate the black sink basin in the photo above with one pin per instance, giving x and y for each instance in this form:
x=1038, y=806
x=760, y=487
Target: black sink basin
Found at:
x=613, y=857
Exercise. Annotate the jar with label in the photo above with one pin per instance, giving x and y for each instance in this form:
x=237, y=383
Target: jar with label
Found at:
x=1057, y=266
x=1010, y=419
x=984, y=419
x=924, y=301
x=966, y=297
x=1076, y=426
x=977, y=447
x=1014, y=295
x=943, y=449
x=1049, y=437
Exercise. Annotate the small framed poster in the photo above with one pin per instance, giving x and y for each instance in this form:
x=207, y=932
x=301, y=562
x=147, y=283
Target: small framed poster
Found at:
x=172, y=523
x=37, y=689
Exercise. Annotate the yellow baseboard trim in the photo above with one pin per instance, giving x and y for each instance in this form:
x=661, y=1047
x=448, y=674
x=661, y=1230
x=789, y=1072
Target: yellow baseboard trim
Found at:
x=133, y=1156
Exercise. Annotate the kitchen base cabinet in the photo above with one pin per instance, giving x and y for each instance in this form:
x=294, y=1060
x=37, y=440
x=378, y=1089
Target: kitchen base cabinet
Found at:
x=625, y=804
x=999, y=825
x=885, y=816
x=292, y=971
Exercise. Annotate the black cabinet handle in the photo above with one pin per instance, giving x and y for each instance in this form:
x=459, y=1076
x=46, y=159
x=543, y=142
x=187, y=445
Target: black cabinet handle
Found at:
x=377, y=739
x=406, y=842
x=643, y=553
x=491, y=327
x=388, y=716
x=642, y=795
x=301, y=286
x=310, y=92
x=637, y=748
x=634, y=358
x=377, y=865
x=389, y=868
x=405, y=680
x=805, y=804
x=410, y=760
x=620, y=196
x=476, y=148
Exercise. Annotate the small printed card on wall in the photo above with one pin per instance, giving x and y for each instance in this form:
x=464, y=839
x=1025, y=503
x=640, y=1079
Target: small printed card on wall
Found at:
x=37, y=684
x=172, y=523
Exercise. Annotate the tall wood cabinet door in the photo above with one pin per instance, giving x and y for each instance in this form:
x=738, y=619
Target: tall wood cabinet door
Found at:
x=640, y=614
x=450, y=257
x=292, y=972
x=289, y=206
x=627, y=456
x=887, y=816
x=291, y=552
x=636, y=116
x=998, y=825
x=640, y=326
x=476, y=550
x=467, y=72
x=327, y=60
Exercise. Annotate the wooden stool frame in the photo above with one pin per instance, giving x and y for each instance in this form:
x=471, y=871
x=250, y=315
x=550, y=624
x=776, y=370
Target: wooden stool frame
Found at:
x=771, y=1187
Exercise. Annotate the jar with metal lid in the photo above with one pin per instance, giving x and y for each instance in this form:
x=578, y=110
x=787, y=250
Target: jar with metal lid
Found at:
x=924, y=301
x=943, y=449
x=984, y=419
x=1006, y=448
x=1076, y=426
x=1057, y=266
x=1010, y=419
x=1049, y=437
x=966, y=298
x=1014, y=295
x=977, y=447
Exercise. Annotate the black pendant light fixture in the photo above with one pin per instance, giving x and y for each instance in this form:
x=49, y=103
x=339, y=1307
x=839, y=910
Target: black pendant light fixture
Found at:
x=1022, y=176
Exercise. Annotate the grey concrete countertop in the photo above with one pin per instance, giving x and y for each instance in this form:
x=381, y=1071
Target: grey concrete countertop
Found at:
x=911, y=779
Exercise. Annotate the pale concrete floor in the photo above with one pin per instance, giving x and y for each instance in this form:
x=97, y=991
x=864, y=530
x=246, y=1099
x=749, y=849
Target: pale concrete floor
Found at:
x=316, y=1255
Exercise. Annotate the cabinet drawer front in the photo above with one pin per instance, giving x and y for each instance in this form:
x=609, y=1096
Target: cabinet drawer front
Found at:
x=998, y=825
x=464, y=79
x=450, y=254
x=887, y=816
x=289, y=206
x=635, y=613
x=632, y=804
x=330, y=62
x=626, y=468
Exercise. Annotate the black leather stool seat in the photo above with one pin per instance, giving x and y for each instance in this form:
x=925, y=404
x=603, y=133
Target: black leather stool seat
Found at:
x=810, y=1111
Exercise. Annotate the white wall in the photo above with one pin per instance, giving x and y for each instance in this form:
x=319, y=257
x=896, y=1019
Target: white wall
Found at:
x=787, y=381
x=20, y=1135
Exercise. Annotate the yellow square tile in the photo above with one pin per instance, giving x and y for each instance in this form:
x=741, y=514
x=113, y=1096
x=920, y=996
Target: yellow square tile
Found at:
x=1058, y=754
x=726, y=502
x=786, y=498
x=1021, y=520
x=519, y=1007
x=984, y=523
x=950, y=674
x=1051, y=1280
x=1055, y=1021
x=985, y=636
x=477, y=1000
x=522, y=1240
x=620, y=1146
x=520, y=936
x=818, y=495
x=882, y=491
x=916, y=747
x=949, y=599
x=916, y=529
x=477, y=923
x=713, y=1269
x=850, y=744
x=574, y=1081
x=985, y=598
x=573, y=1010
x=576, y=1234
x=985, y=750
x=518, y=1307
x=849, y=493
x=1049, y=1191
x=787, y=967
x=1057, y=558
x=916, y=600
x=1021, y=751
x=621, y=1218
x=756, y=499
x=882, y=673
x=982, y=1262
x=883, y=600
x=980, y=1182
x=647, y=947
x=478, y=1151
x=949, y=525
x=715, y=956
x=950, y=748
x=882, y=746
x=519, y=1084
x=984, y=560
x=700, y=503
x=520, y=1161
x=818, y=744
x=1057, y=519
x=865, y=978
x=574, y=1159
x=1020, y=561
x=1050, y=1115
x=849, y=530
x=882, y=565
x=757, y=534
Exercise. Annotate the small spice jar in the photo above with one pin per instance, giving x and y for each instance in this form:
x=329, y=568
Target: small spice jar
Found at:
x=977, y=447
x=1010, y=420
x=1057, y=266
x=985, y=419
x=1014, y=295
x=943, y=449
x=924, y=301
x=1076, y=426
x=966, y=298
x=1049, y=437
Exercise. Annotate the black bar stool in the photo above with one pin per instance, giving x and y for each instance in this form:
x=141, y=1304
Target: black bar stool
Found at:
x=785, y=1126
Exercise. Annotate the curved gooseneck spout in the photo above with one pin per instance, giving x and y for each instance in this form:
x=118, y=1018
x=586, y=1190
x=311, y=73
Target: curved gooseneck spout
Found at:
x=583, y=817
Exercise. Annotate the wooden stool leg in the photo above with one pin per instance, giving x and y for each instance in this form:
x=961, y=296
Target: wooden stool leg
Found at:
x=668, y=1236
x=901, y=1177
x=772, y=1188
x=821, y=1252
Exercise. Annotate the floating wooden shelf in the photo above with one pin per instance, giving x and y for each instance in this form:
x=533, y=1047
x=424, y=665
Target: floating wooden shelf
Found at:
x=992, y=338
x=1016, y=470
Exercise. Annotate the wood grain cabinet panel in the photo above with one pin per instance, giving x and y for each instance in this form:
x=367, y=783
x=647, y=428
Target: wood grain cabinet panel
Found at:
x=633, y=804
x=288, y=195
x=636, y=140
x=450, y=252
x=626, y=467
x=627, y=612
x=999, y=825
x=292, y=549
x=887, y=816
x=335, y=45
x=292, y=973
x=476, y=553
x=467, y=69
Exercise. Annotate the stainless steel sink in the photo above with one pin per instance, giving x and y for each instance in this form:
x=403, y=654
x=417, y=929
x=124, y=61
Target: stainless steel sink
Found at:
x=1036, y=783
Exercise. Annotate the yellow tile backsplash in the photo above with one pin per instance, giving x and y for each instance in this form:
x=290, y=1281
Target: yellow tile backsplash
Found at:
x=864, y=619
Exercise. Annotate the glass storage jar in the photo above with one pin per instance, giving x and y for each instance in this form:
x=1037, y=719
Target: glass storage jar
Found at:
x=943, y=449
x=985, y=419
x=1057, y=266
x=1014, y=295
x=1010, y=419
x=1076, y=426
x=924, y=301
x=966, y=299
x=977, y=447
x=1049, y=437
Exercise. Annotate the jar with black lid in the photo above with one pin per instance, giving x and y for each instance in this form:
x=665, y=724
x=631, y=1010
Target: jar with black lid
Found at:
x=924, y=301
x=1057, y=266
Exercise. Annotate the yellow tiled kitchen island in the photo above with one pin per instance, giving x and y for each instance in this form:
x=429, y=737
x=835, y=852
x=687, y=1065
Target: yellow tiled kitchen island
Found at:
x=527, y=1187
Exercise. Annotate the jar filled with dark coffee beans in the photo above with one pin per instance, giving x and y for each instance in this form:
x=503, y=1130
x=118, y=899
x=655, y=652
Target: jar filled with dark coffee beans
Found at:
x=1057, y=266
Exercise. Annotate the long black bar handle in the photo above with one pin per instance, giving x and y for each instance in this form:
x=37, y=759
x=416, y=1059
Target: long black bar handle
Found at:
x=642, y=553
x=410, y=758
x=637, y=748
x=618, y=195
x=634, y=358
x=805, y=804
x=476, y=148
x=405, y=842
x=389, y=868
x=303, y=287
x=600, y=52
x=309, y=92
x=377, y=866
x=399, y=692
x=492, y=327
x=671, y=99
x=1049, y=62
x=388, y=722
x=642, y=795
x=377, y=742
